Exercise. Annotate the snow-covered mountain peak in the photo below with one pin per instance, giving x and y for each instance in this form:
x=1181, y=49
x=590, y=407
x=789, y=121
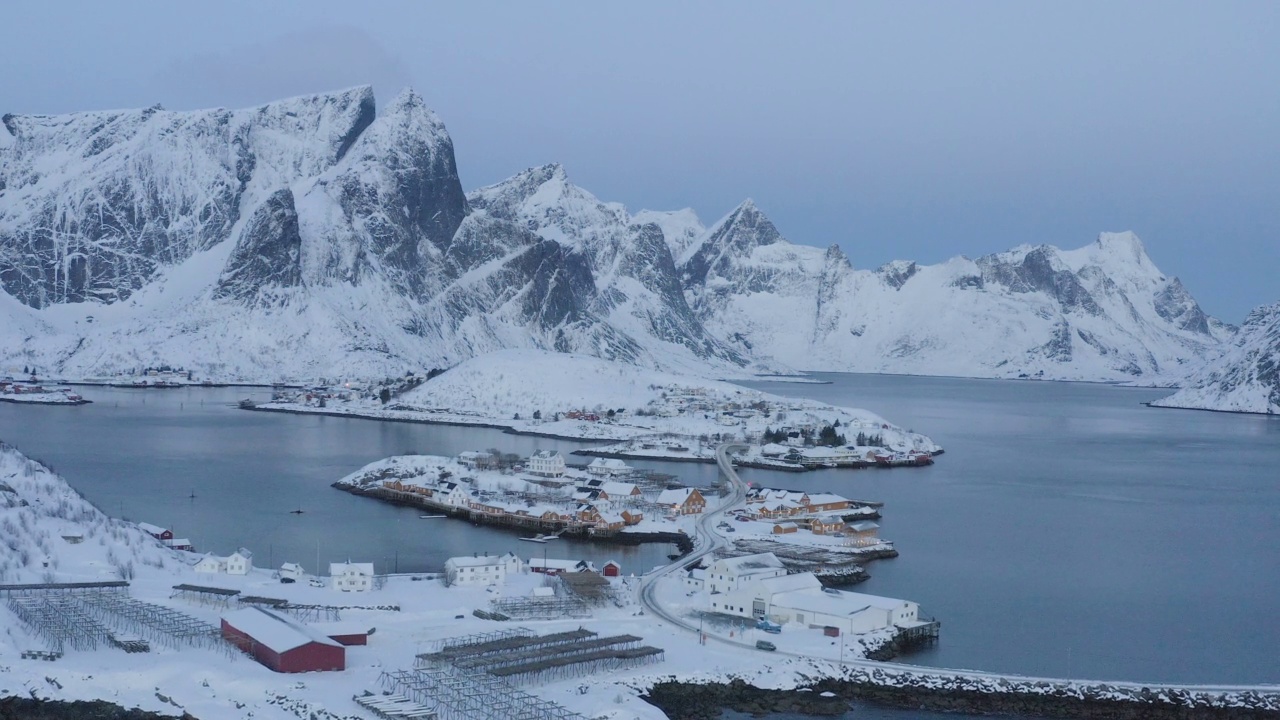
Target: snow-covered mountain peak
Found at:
x=543, y=200
x=680, y=228
x=1123, y=244
x=734, y=237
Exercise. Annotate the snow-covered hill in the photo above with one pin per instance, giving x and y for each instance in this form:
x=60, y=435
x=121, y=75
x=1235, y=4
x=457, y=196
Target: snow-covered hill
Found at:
x=51, y=534
x=519, y=383
x=1246, y=377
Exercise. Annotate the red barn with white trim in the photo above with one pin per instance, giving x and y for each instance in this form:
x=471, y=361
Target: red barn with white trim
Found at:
x=282, y=643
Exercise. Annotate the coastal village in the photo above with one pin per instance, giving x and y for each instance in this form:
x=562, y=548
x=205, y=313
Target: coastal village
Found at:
x=607, y=500
x=203, y=611
x=35, y=392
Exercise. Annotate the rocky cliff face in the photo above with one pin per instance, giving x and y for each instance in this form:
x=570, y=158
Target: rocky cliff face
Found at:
x=93, y=205
x=1246, y=377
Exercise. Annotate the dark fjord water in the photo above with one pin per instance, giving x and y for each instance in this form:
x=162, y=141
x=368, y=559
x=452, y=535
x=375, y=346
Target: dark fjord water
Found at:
x=1068, y=530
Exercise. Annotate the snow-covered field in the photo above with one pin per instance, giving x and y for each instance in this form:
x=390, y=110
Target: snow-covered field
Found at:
x=535, y=391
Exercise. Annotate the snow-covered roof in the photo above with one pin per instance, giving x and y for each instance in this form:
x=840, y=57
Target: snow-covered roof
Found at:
x=482, y=561
x=152, y=529
x=619, y=488
x=350, y=568
x=834, y=602
x=789, y=583
x=863, y=526
x=275, y=631
x=787, y=525
x=291, y=567
x=545, y=454
x=675, y=496
x=609, y=464
x=826, y=499
x=247, y=555
x=750, y=563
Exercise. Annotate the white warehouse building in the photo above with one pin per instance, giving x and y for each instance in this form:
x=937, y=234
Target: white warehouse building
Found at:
x=751, y=588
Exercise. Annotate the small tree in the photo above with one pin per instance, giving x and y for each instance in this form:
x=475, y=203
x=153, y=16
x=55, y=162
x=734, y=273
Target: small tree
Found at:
x=537, y=414
x=384, y=395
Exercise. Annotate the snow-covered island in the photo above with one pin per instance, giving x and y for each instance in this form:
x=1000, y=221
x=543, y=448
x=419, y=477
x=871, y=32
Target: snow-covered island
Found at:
x=609, y=501
x=652, y=414
x=35, y=393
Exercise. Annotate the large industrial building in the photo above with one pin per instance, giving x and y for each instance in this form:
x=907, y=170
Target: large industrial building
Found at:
x=282, y=643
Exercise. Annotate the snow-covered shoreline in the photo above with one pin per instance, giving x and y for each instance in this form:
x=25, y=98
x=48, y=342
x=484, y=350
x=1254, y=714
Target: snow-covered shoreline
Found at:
x=584, y=398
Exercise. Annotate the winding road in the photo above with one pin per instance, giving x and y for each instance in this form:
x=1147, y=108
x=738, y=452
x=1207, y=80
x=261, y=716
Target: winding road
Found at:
x=708, y=539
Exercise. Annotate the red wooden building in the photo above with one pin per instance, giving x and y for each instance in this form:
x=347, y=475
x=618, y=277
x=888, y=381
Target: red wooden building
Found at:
x=611, y=569
x=282, y=643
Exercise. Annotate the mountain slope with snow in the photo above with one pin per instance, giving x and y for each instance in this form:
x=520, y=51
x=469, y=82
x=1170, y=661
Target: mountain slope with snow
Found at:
x=313, y=236
x=1103, y=312
x=326, y=236
x=1246, y=377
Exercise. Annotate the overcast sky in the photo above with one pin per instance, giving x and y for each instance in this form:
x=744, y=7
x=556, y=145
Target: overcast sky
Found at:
x=898, y=130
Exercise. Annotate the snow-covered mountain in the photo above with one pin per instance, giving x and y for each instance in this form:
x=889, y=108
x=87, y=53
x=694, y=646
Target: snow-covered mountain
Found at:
x=1246, y=377
x=312, y=236
x=1102, y=312
x=324, y=236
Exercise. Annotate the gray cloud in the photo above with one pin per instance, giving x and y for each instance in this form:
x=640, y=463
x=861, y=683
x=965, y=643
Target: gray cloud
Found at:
x=304, y=61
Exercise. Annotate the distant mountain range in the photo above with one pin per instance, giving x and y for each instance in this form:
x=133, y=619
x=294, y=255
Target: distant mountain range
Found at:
x=321, y=236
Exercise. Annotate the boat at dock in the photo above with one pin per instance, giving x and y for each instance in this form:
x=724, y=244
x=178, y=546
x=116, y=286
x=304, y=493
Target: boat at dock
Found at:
x=540, y=538
x=431, y=517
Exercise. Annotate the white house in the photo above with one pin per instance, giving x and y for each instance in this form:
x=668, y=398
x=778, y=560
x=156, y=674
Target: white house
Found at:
x=621, y=491
x=609, y=467
x=352, y=577
x=696, y=579
x=729, y=574
x=211, y=564
x=239, y=562
x=547, y=463
x=485, y=570
x=293, y=571
x=452, y=494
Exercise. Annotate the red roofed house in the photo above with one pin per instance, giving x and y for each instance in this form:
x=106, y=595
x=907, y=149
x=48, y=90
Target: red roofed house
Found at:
x=282, y=643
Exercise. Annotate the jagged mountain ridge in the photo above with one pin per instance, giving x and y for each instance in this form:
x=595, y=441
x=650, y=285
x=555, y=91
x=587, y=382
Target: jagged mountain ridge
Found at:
x=311, y=236
x=1102, y=312
x=1246, y=377
x=323, y=236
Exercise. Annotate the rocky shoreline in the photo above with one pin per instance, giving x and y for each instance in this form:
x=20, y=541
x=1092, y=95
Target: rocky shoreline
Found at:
x=831, y=697
x=21, y=708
